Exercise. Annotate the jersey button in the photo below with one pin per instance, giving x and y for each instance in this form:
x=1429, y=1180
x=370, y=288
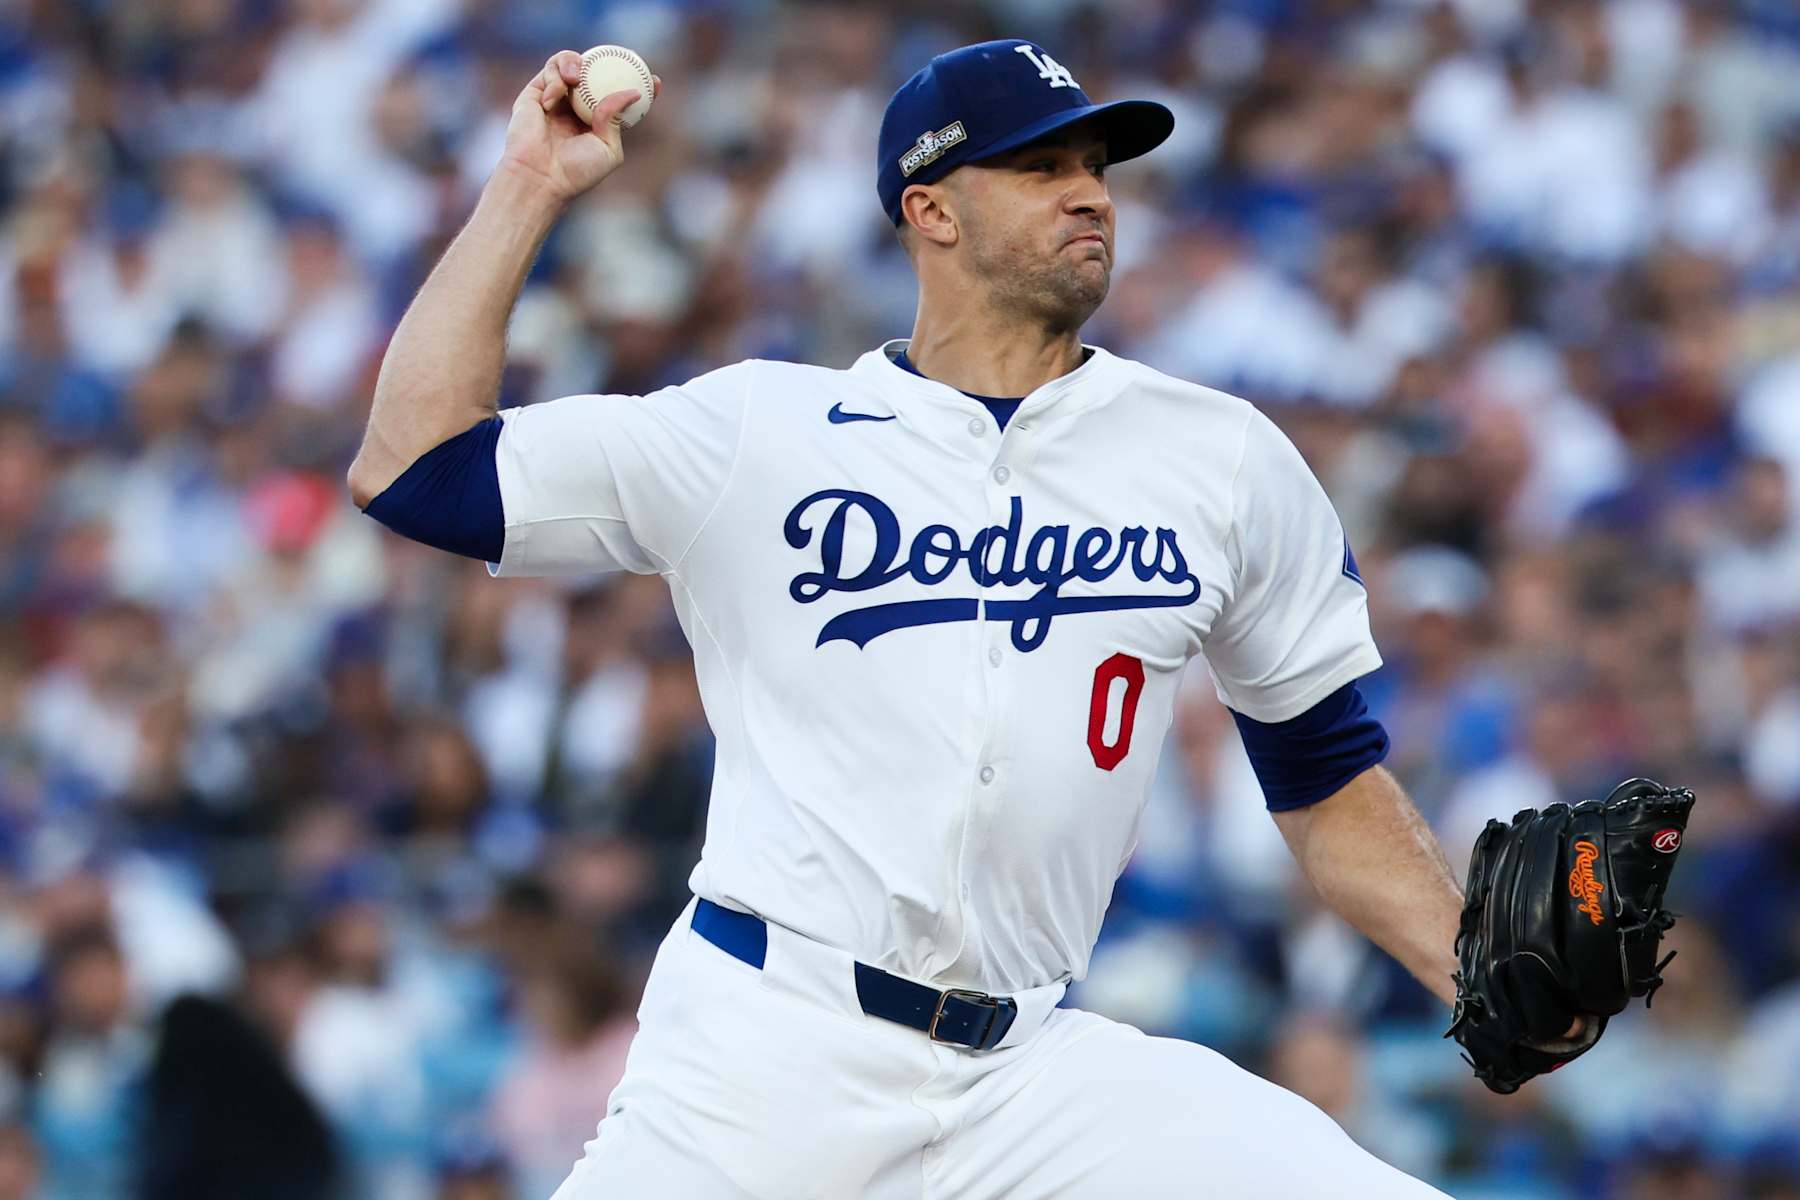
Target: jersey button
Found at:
x=994, y=656
x=977, y=426
x=987, y=774
x=1001, y=474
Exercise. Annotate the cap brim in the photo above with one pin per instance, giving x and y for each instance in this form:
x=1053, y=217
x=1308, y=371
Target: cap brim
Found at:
x=1129, y=127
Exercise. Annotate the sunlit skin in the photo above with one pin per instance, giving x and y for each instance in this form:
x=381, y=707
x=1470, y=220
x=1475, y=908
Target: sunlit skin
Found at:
x=1013, y=255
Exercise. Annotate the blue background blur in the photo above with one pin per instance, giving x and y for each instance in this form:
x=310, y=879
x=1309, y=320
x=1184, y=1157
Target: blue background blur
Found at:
x=1522, y=279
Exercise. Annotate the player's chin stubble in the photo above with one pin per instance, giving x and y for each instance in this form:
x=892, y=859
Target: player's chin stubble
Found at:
x=1060, y=291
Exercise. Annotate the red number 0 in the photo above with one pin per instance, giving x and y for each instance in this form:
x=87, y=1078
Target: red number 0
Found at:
x=1131, y=670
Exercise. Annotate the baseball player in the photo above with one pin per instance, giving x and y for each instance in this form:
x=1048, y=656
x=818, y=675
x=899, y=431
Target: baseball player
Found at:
x=939, y=604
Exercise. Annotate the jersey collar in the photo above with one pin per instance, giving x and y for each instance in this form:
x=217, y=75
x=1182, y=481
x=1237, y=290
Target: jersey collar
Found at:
x=1099, y=369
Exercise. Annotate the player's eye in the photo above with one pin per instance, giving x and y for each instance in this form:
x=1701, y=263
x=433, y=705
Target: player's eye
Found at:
x=1098, y=169
x=1044, y=165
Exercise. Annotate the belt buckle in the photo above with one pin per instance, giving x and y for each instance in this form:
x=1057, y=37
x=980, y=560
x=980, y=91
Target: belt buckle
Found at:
x=931, y=1031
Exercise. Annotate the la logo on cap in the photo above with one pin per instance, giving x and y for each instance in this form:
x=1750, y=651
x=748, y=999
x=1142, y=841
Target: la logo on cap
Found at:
x=930, y=147
x=1049, y=70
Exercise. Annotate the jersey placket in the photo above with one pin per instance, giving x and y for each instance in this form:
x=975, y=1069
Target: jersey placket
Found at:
x=968, y=430
x=1005, y=479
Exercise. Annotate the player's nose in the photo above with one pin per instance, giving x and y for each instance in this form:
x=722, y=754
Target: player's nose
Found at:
x=1089, y=198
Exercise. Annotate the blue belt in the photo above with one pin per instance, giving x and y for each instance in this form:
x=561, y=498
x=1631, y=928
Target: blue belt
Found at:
x=956, y=1017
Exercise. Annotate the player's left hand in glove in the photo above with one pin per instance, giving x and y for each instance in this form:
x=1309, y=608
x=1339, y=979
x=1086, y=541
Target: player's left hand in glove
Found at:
x=1561, y=922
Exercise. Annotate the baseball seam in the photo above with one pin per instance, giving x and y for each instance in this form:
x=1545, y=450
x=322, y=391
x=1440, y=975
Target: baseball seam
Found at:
x=645, y=84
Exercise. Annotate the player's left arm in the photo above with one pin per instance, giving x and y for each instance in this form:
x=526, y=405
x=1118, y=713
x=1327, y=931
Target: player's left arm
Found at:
x=1285, y=654
x=1372, y=858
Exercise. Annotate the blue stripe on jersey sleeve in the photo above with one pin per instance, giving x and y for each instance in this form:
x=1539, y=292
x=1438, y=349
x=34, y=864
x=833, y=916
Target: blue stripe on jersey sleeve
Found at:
x=1309, y=758
x=450, y=497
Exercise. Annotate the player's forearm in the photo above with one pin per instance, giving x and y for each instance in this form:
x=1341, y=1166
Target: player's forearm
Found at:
x=441, y=372
x=1375, y=862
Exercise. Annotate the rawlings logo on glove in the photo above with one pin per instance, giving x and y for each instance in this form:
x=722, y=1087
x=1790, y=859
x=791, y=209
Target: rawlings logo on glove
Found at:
x=1583, y=885
x=1529, y=967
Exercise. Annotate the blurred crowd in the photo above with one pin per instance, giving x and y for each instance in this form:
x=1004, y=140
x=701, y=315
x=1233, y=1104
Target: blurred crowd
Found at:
x=331, y=867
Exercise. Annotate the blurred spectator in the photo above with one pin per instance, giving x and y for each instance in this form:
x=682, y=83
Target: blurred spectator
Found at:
x=578, y=1027
x=1750, y=576
x=92, y=1070
x=327, y=332
x=225, y=1117
x=19, y=1174
x=359, y=1042
x=475, y=1181
x=1320, y=1059
x=1773, y=1174
x=1673, y=1172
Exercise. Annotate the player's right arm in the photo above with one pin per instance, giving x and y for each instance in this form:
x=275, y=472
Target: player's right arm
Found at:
x=440, y=377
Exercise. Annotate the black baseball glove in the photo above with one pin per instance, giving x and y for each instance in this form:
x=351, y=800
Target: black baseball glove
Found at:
x=1562, y=920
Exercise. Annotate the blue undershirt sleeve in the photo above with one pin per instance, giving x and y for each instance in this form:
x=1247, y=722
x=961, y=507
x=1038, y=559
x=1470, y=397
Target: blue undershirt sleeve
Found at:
x=1307, y=759
x=450, y=497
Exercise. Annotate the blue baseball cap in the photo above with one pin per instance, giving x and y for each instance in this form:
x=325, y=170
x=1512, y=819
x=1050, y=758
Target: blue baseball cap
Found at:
x=982, y=100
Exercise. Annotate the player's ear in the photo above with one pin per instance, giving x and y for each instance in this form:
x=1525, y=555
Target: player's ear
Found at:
x=924, y=207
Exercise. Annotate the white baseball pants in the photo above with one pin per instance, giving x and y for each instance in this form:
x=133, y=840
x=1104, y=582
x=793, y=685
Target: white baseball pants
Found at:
x=772, y=1084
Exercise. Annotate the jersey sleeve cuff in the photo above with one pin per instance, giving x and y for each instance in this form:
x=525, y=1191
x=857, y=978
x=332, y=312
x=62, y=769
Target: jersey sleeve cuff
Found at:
x=1302, y=761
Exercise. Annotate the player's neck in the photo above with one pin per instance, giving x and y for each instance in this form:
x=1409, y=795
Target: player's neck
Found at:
x=991, y=359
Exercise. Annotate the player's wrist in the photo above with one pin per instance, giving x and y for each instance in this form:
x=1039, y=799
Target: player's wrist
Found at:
x=526, y=191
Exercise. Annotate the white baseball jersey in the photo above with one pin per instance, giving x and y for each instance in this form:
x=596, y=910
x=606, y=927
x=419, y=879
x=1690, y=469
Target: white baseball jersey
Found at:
x=940, y=659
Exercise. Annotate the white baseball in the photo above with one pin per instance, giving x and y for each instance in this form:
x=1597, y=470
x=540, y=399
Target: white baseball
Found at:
x=609, y=69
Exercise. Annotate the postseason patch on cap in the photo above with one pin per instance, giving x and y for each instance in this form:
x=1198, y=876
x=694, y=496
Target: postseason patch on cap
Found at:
x=930, y=147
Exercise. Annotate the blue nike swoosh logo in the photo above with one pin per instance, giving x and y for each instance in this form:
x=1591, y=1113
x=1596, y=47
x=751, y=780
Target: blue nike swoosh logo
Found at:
x=837, y=416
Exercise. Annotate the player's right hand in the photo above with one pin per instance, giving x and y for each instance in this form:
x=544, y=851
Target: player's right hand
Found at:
x=548, y=142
